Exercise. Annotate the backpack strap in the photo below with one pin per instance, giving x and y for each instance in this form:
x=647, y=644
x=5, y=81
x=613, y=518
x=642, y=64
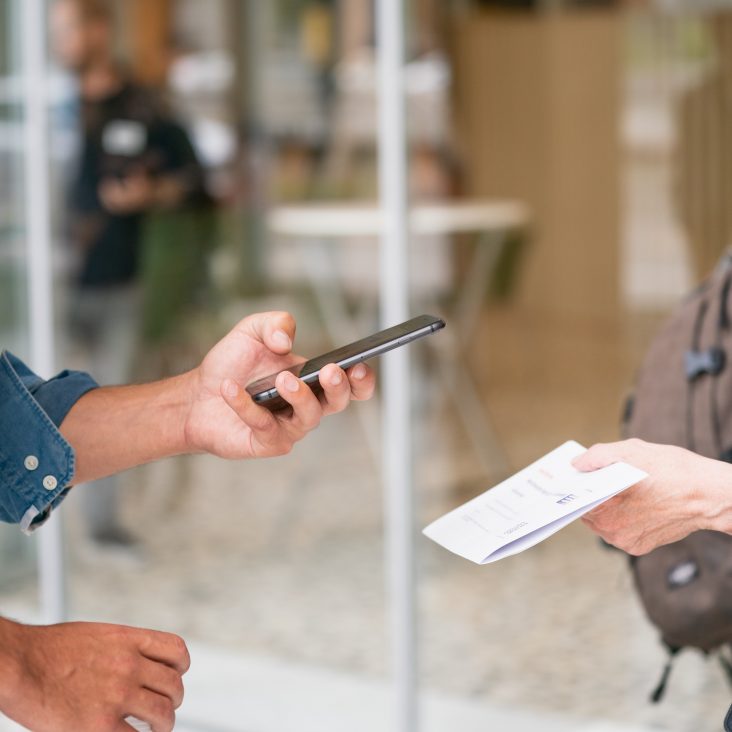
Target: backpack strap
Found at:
x=724, y=316
x=694, y=365
x=723, y=324
x=728, y=721
x=660, y=689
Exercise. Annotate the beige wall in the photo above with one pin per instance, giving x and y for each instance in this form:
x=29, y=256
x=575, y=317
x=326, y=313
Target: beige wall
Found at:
x=538, y=119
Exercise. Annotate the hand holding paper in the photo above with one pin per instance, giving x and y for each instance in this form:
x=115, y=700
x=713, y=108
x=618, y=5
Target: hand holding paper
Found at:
x=530, y=506
x=684, y=492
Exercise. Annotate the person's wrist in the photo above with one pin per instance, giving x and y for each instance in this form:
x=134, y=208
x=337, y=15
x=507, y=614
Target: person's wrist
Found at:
x=169, y=403
x=715, y=511
x=185, y=388
x=189, y=435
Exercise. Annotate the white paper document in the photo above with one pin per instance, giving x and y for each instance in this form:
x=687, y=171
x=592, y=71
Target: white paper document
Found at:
x=530, y=506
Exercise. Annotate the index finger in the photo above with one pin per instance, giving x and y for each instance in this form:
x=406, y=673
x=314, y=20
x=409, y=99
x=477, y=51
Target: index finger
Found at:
x=260, y=421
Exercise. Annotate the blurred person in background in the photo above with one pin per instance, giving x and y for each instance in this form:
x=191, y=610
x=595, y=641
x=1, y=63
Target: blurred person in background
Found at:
x=89, y=677
x=133, y=160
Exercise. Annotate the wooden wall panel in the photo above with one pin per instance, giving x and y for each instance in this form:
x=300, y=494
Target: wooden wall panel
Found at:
x=538, y=119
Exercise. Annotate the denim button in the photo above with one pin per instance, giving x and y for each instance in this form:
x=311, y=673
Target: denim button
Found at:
x=31, y=462
x=50, y=483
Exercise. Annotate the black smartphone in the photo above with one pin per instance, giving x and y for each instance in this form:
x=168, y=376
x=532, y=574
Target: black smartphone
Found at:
x=264, y=393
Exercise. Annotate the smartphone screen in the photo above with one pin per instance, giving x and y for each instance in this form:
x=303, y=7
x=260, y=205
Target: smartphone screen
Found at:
x=263, y=391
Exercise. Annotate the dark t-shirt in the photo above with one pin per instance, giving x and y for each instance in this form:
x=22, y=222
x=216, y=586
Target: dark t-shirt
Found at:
x=124, y=133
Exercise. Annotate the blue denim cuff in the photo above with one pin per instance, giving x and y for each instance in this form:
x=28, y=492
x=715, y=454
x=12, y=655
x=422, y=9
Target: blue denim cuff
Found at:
x=57, y=395
x=36, y=463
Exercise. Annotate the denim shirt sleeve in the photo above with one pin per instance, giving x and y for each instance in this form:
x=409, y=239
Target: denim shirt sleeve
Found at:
x=36, y=462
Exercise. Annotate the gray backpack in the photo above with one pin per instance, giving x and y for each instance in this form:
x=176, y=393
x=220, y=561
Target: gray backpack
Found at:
x=683, y=396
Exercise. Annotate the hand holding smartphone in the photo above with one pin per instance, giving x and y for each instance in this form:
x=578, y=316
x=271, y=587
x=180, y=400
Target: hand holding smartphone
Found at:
x=264, y=392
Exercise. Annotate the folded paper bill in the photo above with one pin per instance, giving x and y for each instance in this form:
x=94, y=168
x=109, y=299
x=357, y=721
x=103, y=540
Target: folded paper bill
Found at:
x=530, y=506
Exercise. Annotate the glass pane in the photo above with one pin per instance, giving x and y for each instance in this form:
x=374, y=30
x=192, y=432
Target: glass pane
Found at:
x=273, y=567
x=613, y=128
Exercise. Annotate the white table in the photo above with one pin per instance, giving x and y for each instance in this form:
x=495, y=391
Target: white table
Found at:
x=318, y=229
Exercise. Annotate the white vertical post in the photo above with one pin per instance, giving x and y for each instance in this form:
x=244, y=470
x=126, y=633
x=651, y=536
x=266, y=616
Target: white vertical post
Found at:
x=40, y=292
x=397, y=453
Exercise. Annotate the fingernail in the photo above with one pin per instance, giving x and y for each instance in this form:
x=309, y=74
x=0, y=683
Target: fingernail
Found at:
x=291, y=383
x=281, y=339
x=231, y=388
x=359, y=372
x=336, y=379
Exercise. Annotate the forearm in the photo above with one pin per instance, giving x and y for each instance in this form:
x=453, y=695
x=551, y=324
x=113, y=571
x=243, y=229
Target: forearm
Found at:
x=115, y=428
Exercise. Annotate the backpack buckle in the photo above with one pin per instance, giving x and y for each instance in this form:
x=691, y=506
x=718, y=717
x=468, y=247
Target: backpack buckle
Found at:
x=711, y=361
